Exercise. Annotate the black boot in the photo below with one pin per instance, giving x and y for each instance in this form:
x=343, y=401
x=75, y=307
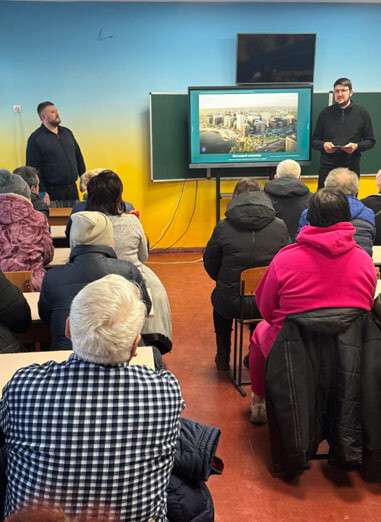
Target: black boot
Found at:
x=222, y=358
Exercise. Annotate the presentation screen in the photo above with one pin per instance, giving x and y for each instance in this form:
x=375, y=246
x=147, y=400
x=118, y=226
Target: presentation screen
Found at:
x=261, y=125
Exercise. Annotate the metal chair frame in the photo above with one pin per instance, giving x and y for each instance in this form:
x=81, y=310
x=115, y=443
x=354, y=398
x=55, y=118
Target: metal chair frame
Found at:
x=249, y=281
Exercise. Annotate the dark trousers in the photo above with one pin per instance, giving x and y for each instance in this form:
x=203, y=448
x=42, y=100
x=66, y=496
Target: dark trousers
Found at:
x=324, y=170
x=223, y=326
x=63, y=192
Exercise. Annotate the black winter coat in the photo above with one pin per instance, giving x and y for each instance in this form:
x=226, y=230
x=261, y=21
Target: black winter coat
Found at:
x=15, y=315
x=289, y=197
x=250, y=236
x=189, y=499
x=60, y=285
x=323, y=381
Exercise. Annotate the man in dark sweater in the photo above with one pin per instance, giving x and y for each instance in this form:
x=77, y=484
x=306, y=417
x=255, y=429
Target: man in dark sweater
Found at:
x=342, y=132
x=54, y=152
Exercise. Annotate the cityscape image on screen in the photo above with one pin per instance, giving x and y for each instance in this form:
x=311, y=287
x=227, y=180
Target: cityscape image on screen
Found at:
x=255, y=122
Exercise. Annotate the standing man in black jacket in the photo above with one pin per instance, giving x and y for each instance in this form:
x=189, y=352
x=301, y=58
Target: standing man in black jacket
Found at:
x=342, y=132
x=53, y=150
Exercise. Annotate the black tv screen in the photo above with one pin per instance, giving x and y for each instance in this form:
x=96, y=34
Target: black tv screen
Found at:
x=279, y=58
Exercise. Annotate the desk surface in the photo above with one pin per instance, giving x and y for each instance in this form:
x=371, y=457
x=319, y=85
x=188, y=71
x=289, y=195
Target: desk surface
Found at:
x=57, y=231
x=11, y=362
x=377, y=254
x=60, y=258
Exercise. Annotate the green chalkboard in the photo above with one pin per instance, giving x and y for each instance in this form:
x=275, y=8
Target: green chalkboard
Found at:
x=169, y=139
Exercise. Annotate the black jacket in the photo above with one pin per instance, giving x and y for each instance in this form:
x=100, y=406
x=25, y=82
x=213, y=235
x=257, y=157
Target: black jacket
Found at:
x=342, y=126
x=189, y=499
x=289, y=197
x=58, y=158
x=60, y=285
x=323, y=381
x=374, y=203
x=250, y=236
x=15, y=315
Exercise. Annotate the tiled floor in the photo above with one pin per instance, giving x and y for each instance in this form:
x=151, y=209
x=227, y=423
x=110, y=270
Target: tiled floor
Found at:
x=246, y=491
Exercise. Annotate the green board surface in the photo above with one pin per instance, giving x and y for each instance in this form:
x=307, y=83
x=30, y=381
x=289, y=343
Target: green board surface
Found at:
x=169, y=139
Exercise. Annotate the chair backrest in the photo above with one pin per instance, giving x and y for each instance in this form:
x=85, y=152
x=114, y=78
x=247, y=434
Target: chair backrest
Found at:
x=23, y=280
x=250, y=279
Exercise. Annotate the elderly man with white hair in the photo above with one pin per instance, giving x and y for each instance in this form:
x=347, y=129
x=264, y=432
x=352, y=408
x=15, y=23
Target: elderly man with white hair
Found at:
x=288, y=194
x=363, y=219
x=94, y=430
x=374, y=203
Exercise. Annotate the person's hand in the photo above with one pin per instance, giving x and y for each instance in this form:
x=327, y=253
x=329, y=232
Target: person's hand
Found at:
x=46, y=199
x=329, y=147
x=350, y=148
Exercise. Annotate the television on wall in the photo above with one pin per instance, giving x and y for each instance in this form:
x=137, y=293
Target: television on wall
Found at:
x=279, y=58
x=249, y=126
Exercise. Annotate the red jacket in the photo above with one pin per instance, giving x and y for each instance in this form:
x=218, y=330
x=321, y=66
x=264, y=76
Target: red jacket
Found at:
x=325, y=268
x=25, y=242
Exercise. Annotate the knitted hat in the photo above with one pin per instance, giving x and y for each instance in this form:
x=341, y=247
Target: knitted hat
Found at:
x=91, y=228
x=13, y=184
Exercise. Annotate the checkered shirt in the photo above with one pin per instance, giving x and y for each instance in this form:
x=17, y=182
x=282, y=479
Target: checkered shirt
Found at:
x=80, y=434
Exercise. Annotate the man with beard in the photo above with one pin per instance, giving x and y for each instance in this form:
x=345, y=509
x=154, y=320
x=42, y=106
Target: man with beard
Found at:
x=342, y=132
x=53, y=150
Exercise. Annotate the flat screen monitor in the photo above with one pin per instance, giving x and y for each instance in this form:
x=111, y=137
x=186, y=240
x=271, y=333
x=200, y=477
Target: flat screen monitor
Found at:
x=250, y=126
x=280, y=58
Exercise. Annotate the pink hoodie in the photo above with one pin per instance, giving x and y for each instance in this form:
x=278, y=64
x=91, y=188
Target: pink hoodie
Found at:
x=324, y=268
x=25, y=242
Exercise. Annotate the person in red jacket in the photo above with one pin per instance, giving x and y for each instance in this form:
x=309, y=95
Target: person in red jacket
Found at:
x=325, y=268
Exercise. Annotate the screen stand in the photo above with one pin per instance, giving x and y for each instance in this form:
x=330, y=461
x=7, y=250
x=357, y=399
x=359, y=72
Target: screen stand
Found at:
x=208, y=173
x=218, y=198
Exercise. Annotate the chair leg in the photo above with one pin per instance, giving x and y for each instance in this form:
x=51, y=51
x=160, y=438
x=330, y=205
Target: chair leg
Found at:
x=235, y=349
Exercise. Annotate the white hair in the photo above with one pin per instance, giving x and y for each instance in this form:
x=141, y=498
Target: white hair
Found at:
x=378, y=180
x=288, y=168
x=105, y=319
x=344, y=180
x=86, y=177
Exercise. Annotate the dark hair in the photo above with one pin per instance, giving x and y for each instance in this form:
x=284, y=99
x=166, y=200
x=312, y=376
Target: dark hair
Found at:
x=104, y=193
x=28, y=174
x=328, y=207
x=41, y=106
x=246, y=185
x=346, y=82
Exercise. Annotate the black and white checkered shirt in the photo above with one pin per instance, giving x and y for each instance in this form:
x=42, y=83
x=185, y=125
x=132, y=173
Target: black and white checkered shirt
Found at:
x=81, y=434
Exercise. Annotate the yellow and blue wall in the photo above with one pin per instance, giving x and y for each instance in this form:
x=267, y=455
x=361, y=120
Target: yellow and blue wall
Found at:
x=99, y=61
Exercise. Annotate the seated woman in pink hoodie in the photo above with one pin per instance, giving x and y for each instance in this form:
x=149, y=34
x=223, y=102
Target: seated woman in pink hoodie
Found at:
x=25, y=242
x=325, y=268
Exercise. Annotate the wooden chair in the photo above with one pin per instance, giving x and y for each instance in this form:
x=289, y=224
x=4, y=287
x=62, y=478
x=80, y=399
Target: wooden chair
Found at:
x=23, y=280
x=249, y=282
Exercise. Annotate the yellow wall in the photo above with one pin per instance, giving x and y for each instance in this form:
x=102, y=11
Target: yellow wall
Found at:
x=160, y=200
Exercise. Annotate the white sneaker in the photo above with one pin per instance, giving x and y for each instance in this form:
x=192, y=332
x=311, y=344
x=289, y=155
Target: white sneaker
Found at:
x=258, y=413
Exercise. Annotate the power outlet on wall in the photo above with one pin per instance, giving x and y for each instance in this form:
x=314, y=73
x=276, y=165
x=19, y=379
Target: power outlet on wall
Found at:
x=17, y=108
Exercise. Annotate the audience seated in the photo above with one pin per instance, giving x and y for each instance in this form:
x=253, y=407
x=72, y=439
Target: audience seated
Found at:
x=15, y=316
x=374, y=203
x=325, y=268
x=105, y=195
x=24, y=233
x=92, y=256
x=30, y=176
x=250, y=236
x=288, y=194
x=93, y=429
x=126, y=206
x=363, y=219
